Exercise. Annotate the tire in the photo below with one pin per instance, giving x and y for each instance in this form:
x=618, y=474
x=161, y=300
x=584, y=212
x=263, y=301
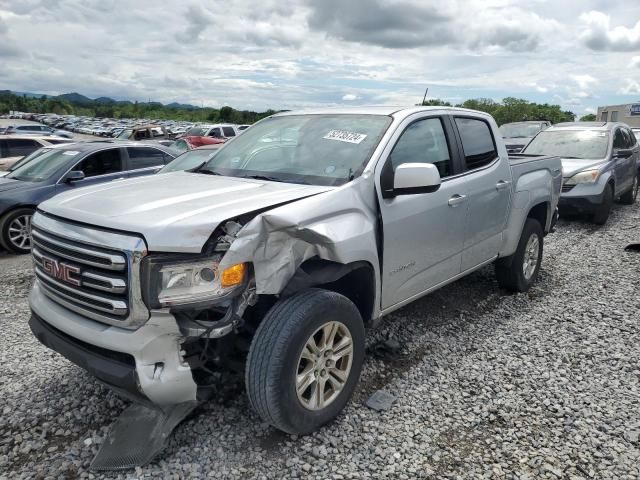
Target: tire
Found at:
x=603, y=210
x=629, y=197
x=9, y=237
x=510, y=271
x=276, y=360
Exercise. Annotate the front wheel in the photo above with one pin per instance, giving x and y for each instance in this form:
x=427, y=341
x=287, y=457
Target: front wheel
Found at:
x=305, y=360
x=629, y=197
x=601, y=214
x=15, y=230
x=519, y=271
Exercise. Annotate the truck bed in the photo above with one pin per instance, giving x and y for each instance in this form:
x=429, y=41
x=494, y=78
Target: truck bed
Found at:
x=522, y=163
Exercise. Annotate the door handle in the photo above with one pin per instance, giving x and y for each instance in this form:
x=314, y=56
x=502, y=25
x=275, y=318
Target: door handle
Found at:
x=457, y=200
x=501, y=185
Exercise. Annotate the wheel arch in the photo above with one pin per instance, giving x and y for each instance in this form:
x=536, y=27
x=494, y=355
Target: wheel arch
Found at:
x=356, y=281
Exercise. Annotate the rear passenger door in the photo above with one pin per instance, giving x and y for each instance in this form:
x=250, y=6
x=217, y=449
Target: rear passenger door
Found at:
x=488, y=178
x=144, y=161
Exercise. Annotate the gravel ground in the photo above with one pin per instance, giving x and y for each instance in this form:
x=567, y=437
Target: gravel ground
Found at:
x=488, y=385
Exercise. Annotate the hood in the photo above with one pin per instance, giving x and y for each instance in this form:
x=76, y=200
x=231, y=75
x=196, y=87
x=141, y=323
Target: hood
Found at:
x=175, y=212
x=9, y=184
x=571, y=166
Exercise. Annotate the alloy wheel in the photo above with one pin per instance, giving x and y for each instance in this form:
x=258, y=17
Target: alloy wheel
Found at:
x=531, y=256
x=20, y=232
x=324, y=365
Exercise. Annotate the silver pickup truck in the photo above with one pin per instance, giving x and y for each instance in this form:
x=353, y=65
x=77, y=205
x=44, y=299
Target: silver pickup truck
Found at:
x=273, y=256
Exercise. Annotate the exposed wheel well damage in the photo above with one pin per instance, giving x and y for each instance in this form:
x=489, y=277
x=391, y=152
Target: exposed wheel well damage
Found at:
x=356, y=281
x=540, y=212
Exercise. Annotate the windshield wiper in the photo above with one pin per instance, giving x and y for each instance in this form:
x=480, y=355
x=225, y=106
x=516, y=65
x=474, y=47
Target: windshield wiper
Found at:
x=261, y=177
x=199, y=169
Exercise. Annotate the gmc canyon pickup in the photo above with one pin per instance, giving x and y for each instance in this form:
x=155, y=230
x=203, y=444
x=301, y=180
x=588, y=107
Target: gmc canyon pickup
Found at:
x=274, y=255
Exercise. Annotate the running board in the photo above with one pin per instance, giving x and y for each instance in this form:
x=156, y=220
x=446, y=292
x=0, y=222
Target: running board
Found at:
x=138, y=435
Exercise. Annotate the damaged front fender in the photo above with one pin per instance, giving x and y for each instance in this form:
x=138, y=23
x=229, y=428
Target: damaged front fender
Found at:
x=339, y=226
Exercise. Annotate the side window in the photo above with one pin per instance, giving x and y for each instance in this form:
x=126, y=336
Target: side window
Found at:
x=101, y=163
x=216, y=132
x=629, y=138
x=618, y=139
x=477, y=142
x=423, y=141
x=228, y=132
x=21, y=148
x=144, y=157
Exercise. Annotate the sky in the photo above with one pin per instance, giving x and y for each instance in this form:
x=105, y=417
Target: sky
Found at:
x=303, y=53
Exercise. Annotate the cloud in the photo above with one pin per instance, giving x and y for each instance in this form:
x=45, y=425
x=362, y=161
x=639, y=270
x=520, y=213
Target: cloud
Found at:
x=599, y=35
x=198, y=19
x=349, y=97
x=584, y=81
x=391, y=24
x=630, y=87
x=635, y=62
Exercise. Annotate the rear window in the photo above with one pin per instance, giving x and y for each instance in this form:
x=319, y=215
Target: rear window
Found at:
x=477, y=142
x=20, y=148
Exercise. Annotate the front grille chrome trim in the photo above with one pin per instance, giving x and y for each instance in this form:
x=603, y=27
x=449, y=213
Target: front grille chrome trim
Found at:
x=114, y=262
x=109, y=265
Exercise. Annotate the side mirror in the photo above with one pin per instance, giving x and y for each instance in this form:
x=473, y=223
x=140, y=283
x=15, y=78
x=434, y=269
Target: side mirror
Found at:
x=74, y=176
x=622, y=152
x=412, y=178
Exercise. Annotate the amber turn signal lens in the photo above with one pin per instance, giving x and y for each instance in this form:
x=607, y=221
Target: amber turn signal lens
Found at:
x=233, y=275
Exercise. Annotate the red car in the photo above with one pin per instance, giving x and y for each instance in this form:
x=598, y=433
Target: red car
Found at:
x=193, y=141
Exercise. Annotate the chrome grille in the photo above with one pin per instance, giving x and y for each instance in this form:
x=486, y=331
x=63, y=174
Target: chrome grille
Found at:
x=92, y=272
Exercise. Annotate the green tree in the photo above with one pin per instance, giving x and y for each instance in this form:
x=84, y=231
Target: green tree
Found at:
x=590, y=117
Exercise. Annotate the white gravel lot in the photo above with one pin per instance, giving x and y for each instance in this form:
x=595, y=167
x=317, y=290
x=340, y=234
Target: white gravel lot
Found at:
x=488, y=385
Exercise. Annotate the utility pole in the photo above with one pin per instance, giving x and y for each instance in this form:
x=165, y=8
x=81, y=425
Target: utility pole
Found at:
x=424, y=99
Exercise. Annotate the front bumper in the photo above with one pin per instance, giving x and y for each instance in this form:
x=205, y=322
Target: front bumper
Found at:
x=582, y=197
x=144, y=364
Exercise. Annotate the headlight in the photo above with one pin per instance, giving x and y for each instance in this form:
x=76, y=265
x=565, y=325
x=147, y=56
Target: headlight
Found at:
x=588, y=176
x=193, y=281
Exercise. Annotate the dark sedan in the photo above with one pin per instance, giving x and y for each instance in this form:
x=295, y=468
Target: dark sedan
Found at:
x=65, y=168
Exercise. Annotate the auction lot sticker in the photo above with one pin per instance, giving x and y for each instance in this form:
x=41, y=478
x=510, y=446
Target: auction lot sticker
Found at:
x=345, y=136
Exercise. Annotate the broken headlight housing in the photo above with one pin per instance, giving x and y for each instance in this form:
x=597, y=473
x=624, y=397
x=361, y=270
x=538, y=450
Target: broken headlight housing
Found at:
x=170, y=281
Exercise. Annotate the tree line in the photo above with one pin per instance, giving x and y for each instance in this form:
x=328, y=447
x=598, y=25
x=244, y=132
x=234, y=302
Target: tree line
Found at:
x=107, y=108
x=510, y=109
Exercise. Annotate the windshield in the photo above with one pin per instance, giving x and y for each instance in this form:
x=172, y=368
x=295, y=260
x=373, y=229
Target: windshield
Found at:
x=28, y=158
x=125, y=134
x=196, y=132
x=43, y=166
x=314, y=149
x=582, y=144
x=515, y=130
x=189, y=160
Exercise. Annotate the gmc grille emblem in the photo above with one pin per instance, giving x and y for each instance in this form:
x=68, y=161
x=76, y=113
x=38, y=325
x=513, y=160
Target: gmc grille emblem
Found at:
x=61, y=271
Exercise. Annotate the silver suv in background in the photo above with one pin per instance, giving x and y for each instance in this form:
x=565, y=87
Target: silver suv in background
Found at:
x=599, y=163
x=517, y=135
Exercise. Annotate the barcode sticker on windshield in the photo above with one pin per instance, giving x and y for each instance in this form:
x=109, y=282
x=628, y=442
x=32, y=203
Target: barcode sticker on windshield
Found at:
x=70, y=152
x=345, y=136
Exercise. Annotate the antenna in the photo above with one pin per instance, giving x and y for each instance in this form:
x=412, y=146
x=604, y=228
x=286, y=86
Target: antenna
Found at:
x=425, y=96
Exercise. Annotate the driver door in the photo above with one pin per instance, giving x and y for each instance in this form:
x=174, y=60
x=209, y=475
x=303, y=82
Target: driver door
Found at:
x=423, y=233
x=99, y=167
